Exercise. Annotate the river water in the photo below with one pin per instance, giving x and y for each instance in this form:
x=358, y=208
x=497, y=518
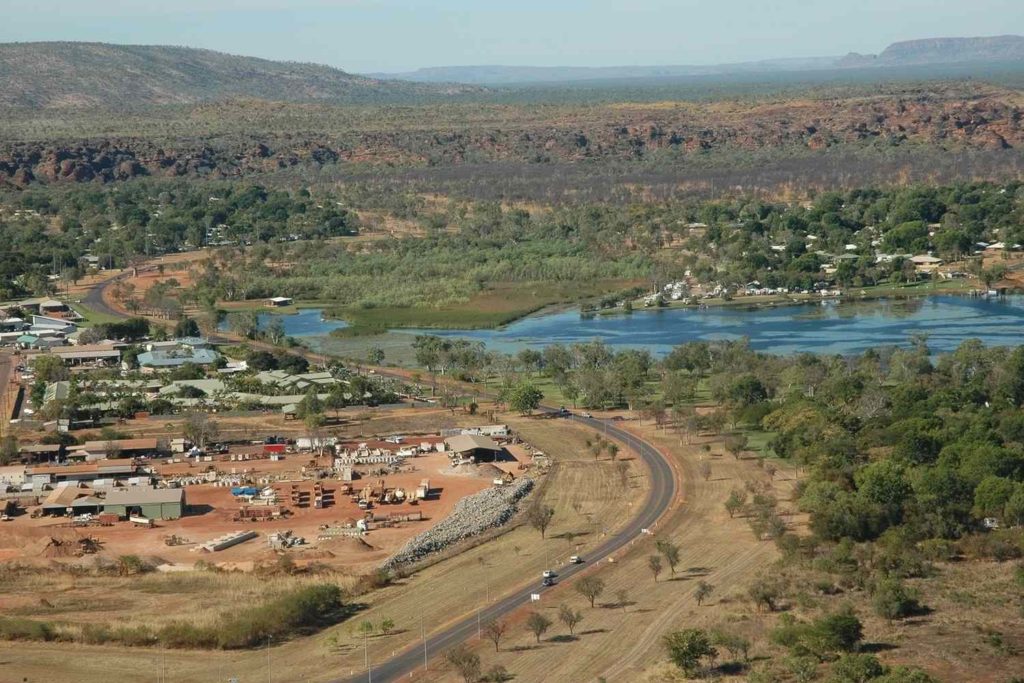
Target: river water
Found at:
x=820, y=327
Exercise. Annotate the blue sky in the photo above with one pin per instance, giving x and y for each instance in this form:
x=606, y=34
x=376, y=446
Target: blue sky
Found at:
x=391, y=35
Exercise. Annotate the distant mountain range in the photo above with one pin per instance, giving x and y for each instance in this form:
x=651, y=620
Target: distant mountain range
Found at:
x=44, y=75
x=906, y=53
x=68, y=74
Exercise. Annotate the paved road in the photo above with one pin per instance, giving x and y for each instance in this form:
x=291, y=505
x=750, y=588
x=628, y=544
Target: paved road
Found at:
x=663, y=491
x=94, y=298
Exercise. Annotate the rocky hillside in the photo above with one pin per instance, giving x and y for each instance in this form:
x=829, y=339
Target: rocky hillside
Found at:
x=943, y=51
x=991, y=120
x=48, y=75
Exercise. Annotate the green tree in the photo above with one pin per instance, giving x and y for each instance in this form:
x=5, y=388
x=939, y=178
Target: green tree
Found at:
x=49, y=369
x=525, y=398
x=494, y=631
x=703, y=592
x=654, y=564
x=687, y=648
x=274, y=330
x=540, y=517
x=1013, y=512
x=893, y=600
x=8, y=449
x=670, y=551
x=992, y=494
x=570, y=617
x=590, y=587
x=199, y=429
x=856, y=668
x=310, y=404
x=186, y=327
x=736, y=501
x=243, y=323
x=375, y=356
x=465, y=662
x=537, y=624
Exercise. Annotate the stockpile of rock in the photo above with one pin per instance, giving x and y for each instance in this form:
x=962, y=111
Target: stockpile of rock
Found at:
x=470, y=516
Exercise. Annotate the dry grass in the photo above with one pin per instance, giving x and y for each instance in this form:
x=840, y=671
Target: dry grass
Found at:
x=585, y=494
x=152, y=599
x=624, y=644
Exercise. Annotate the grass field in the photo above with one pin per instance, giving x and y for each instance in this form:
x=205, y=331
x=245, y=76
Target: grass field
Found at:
x=498, y=305
x=621, y=642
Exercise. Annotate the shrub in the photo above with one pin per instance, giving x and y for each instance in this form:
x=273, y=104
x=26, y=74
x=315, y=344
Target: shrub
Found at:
x=135, y=636
x=182, y=635
x=687, y=648
x=826, y=636
x=856, y=668
x=892, y=600
x=301, y=611
x=14, y=628
x=95, y=634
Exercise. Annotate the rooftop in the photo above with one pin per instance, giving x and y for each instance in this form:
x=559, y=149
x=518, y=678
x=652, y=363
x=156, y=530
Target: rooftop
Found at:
x=140, y=495
x=96, y=467
x=169, y=358
x=121, y=444
x=471, y=442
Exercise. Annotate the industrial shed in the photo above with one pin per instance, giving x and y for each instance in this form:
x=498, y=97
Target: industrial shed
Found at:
x=147, y=502
x=473, y=448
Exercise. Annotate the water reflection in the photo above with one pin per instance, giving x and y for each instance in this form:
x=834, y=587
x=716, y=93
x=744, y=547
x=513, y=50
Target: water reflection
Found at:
x=831, y=327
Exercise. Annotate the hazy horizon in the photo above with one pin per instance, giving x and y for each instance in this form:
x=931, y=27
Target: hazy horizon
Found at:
x=386, y=36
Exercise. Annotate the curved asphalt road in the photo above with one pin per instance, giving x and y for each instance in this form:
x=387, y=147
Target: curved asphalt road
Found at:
x=663, y=490
x=94, y=298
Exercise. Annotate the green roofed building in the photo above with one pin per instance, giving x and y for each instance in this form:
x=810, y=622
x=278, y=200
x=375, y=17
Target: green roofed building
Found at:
x=146, y=502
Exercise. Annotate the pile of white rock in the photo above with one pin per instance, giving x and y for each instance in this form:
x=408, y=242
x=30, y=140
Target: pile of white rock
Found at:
x=470, y=516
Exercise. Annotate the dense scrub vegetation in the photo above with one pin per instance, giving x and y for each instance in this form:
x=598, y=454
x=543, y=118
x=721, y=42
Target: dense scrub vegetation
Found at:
x=49, y=232
x=660, y=139
x=459, y=250
x=893, y=441
x=302, y=611
x=471, y=248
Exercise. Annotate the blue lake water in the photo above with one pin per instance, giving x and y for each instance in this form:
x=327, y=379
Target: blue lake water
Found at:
x=830, y=327
x=307, y=322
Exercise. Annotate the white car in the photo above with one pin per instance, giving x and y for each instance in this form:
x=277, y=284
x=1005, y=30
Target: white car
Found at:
x=548, y=574
x=575, y=559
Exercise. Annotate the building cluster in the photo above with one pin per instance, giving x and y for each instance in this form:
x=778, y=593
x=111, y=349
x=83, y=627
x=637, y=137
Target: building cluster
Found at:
x=38, y=324
x=94, y=481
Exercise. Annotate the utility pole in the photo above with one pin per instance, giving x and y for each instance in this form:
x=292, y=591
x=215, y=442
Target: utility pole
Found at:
x=366, y=659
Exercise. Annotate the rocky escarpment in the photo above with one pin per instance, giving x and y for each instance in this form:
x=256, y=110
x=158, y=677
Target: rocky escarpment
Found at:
x=989, y=123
